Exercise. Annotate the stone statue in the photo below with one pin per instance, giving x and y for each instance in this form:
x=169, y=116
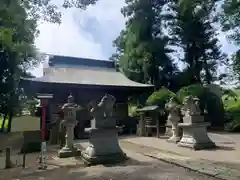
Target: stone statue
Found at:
x=97, y=111
x=108, y=101
x=103, y=111
x=191, y=106
x=173, y=107
x=104, y=108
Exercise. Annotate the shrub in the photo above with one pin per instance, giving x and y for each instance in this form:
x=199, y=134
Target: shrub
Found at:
x=208, y=100
x=233, y=112
x=193, y=90
x=229, y=97
x=160, y=97
x=132, y=111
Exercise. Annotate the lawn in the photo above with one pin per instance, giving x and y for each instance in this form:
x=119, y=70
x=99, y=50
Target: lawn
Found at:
x=5, y=125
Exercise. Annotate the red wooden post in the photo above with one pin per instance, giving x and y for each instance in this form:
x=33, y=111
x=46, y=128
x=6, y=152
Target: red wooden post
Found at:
x=44, y=101
x=43, y=122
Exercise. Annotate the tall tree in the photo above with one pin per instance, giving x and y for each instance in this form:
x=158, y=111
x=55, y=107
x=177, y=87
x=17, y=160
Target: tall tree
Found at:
x=17, y=51
x=142, y=48
x=229, y=17
x=50, y=11
x=192, y=30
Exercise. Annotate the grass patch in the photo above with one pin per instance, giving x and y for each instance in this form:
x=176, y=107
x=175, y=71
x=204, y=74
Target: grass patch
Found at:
x=5, y=125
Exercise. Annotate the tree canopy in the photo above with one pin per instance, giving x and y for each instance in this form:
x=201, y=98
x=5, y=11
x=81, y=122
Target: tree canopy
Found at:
x=155, y=30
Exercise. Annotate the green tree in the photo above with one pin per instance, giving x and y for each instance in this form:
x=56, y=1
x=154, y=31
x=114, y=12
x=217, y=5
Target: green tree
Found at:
x=50, y=11
x=17, y=51
x=142, y=48
x=191, y=27
x=229, y=17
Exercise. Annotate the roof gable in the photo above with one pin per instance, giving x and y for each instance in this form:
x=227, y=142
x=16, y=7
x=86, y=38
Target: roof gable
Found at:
x=65, y=61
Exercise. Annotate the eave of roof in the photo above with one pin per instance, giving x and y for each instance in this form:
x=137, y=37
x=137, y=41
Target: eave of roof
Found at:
x=87, y=76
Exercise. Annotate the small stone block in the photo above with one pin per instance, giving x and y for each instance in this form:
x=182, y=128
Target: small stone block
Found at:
x=66, y=153
x=174, y=140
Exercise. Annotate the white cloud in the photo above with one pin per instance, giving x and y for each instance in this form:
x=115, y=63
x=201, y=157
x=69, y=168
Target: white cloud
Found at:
x=82, y=33
x=226, y=46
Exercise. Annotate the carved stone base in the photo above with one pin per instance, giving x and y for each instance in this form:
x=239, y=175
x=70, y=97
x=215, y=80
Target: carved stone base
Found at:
x=195, y=136
x=68, y=152
x=104, y=147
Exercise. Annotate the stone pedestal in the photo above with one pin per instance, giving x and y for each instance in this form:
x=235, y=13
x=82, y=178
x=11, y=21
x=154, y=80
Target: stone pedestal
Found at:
x=175, y=134
x=69, y=150
x=195, y=136
x=104, y=147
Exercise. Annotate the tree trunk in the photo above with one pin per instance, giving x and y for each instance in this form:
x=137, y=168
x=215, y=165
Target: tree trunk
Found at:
x=4, y=121
x=10, y=121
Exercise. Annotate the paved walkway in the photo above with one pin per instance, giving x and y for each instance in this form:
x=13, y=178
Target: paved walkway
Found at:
x=228, y=151
x=223, y=163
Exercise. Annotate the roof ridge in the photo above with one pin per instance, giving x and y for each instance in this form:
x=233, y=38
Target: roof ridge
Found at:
x=75, y=57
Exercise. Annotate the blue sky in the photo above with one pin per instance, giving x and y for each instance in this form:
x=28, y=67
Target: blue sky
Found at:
x=89, y=33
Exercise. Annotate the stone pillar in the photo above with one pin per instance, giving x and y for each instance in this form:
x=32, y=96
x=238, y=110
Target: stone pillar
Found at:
x=69, y=122
x=142, y=129
x=168, y=128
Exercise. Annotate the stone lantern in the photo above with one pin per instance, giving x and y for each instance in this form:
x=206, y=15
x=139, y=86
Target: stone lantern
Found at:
x=70, y=109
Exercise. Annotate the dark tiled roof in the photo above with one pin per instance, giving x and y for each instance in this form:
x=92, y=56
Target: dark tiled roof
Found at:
x=65, y=61
x=87, y=76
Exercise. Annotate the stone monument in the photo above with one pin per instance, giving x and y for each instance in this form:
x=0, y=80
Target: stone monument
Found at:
x=104, y=146
x=69, y=109
x=194, y=128
x=173, y=118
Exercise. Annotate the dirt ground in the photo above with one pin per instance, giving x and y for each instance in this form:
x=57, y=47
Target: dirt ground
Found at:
x=155, y=170
x=138, y=167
